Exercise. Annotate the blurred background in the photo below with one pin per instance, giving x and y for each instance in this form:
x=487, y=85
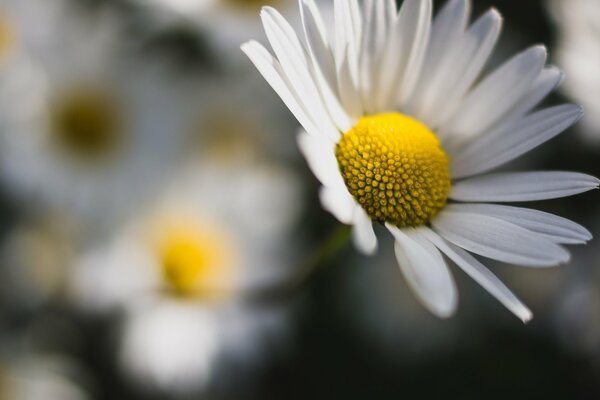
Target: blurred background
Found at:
x=162, y=238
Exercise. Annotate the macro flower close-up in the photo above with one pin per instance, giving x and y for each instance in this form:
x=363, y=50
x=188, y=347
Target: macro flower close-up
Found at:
x=398, y=131
x=286, y=199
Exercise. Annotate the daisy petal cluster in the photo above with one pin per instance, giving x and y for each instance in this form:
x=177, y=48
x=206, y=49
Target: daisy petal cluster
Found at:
x=402, y=127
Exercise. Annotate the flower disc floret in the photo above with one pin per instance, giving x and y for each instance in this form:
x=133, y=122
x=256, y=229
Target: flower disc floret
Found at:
x=395, y=168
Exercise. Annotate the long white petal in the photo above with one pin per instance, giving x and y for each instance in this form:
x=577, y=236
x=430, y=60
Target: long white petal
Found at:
x=497, y=239
x=363, y=235
x=348, y=88
x=415, y=23
x=513, y=140
x=495, y=95
x=445, y=42
x=555, y=228
x=425, y=271
x=348, y=31
x=322, y=63
x=402, y=64
x=475, y=49
x=546, y=82
x=522, y=186
x=317, y=40
x=271, y=70
x=375, y=34
x=480, y=274
x=293, y=59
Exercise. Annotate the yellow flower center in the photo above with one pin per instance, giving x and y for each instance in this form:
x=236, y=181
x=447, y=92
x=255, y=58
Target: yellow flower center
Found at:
x=395, y=168
x=87, y=123
x=197, y=262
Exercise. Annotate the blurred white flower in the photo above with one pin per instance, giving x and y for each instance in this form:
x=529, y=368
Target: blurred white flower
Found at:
x=38, y=377
x=171, y=345
x=182, y=270
x=84, y=129
x=578, y=54
x=35, y=259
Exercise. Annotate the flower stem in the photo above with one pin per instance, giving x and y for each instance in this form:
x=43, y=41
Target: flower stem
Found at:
x=330, y=246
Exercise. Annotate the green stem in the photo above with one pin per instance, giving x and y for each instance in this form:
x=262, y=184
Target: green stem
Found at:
x=329, y=247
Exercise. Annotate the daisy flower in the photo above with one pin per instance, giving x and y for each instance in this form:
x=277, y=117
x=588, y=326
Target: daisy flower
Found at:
x=182, y=272
x=400, y=129
x=85, y=129
x=578, y=41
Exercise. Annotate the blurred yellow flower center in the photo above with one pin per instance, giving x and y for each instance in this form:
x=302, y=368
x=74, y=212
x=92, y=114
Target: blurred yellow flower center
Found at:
x=395, y=168
x=7, y=36
x=87, y=123
x=197, y=262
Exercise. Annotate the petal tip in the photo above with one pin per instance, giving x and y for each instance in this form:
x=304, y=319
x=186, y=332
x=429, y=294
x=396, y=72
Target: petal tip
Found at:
x=267, y=11
x=494, y=13
x=541, y=48
x=246, y=46
x=526, y=317
x=448, y=312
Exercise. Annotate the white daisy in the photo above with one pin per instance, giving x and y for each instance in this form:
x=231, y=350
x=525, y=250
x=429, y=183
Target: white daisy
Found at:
x=36, y=376
x=579, y=40
x=183, y=270
x=84, y=129
x=399, y=130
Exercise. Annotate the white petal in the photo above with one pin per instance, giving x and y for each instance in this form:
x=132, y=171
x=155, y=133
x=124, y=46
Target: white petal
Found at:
x=445, y=41
x=511, y=141
x=400, y=79
x=480, y=274
x=322, y=62
x=316, y=38
x=320, y=156
x=522, y=186
x=495, y=95
x=392, y=11
x=338, y=202
x=419, y=34
x=497, y=239
x=348, y=89
x=363, y=235
x=425, y=271
x=348, y=27
x=293, y=59
x=555, y=228
x=348, y=31
x=446, y=29
x=546, y=82
x=271, y=70
x=476, y=46
x=373, y=40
